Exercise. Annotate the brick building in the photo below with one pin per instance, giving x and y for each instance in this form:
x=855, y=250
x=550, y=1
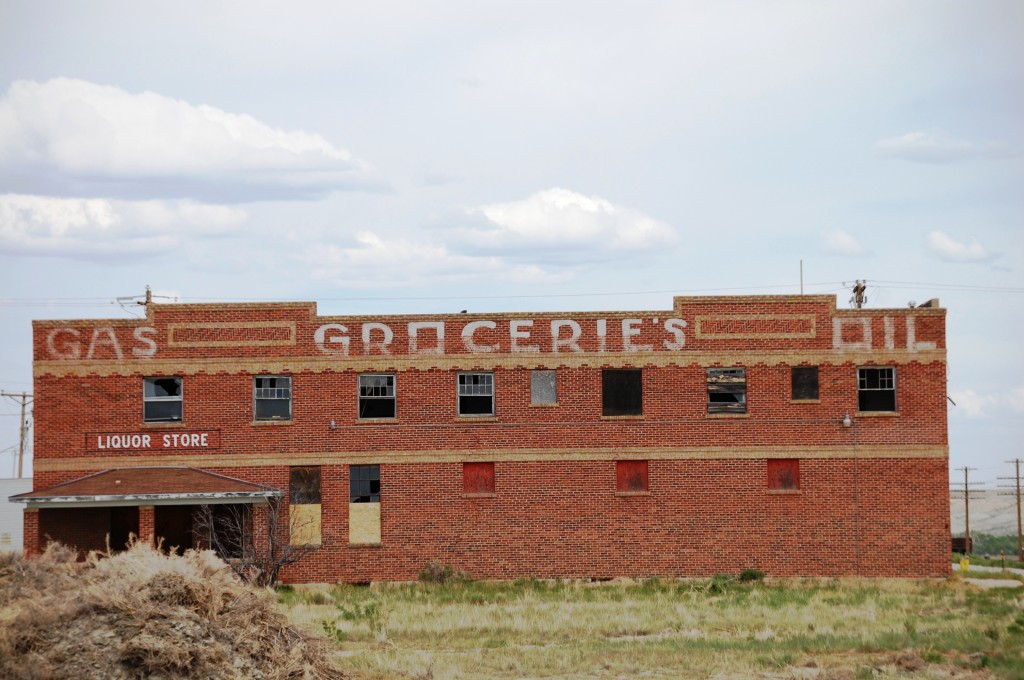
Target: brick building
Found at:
x=775, y=432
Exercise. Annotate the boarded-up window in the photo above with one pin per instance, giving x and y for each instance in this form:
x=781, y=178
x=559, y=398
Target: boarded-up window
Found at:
x=727, y=390
x=305, y=509
x=805, y=383
x=784, y=474
x=631, y=476
x=622, y=392
x=543, y=387
x=876, y=389
x=478, y=478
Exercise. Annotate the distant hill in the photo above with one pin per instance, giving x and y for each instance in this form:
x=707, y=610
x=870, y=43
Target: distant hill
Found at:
x=990, y=513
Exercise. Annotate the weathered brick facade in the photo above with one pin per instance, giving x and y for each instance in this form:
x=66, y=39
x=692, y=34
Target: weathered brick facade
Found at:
x=869, y=497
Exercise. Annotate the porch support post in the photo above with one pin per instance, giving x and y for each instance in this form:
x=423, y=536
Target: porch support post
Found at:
x=31, y=545
x=147, y=527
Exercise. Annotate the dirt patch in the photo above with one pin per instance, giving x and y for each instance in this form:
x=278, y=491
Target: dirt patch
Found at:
x=143, y=614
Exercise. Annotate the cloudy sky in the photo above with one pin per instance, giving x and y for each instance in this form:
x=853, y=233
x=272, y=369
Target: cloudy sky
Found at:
x=405, y=157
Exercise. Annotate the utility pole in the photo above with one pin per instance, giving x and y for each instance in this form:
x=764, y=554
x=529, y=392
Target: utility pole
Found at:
x=859, y=298
x=966, y=491
x=1016, y=492
x=24, y=398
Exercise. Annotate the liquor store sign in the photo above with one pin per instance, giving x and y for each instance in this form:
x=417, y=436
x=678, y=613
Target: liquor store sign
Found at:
x=148, y=441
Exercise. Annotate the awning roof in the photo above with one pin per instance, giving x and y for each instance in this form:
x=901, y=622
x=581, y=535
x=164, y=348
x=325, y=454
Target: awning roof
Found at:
x=149, y=486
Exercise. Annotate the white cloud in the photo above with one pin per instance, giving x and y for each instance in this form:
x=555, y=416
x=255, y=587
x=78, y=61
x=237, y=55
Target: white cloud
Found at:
x=68, y=136
x=972, y=404
x=559, y=218
x=374, y=261
x=838, y=242
x=953, y=251
x=923, y=147
x=86, y=228
x=1017, y=400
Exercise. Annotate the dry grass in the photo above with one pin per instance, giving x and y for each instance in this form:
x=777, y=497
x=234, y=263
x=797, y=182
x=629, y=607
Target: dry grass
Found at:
x=143, y=614
x=786, y=629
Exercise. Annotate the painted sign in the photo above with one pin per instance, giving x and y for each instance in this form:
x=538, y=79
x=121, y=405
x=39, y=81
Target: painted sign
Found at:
x=143, y=441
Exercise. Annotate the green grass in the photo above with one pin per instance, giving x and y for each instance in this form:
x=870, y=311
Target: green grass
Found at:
x=666, y=628
x=1010, y=562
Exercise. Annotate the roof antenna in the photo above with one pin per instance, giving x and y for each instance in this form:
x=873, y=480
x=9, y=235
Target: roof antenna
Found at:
x=859, y=298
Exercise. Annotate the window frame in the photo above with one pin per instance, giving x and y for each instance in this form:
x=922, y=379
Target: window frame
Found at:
x=479, y=478
x=861, y=390
x=630, y=407
x=180, y=399
x=392, y=383
x=372, y=474
x=459, y=394
x=721, y=407
x=782, y=474
x=793, y=383
x=256, y=398
x=632, y=477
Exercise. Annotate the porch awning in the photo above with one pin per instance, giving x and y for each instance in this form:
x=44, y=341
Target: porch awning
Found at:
x=169, y=485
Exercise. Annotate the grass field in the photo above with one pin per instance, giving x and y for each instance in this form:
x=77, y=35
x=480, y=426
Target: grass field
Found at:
x=832, y=629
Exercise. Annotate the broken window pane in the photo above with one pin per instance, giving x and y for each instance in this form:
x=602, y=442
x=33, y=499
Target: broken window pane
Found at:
x=476, y=394
x=622, y=392
x=805, y=383
x=364, y=483
x=272, y=397
x=161, y=399
x=876, y=389
x=727, y=390
x=543, y=388
x=377, y=396
x=304, y=485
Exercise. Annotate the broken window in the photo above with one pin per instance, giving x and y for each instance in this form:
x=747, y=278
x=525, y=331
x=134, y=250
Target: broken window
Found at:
x=783, y=474
x=161, y=399
x=876, y=389
x=478, y=478
x=622, y=392
x=805, y=383
x=377, y=396
x=476, y=394
x=630, y=476
x=727, y=390
x=304, y=485
x=364, y=483
x=272, y=397
x=543, y=387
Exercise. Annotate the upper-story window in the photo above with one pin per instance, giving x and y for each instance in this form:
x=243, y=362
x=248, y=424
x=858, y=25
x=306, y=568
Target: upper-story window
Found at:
x=805, y=383
x=161, y=399
x=476, y=394
x=272, y=397
x=543, y=387
x=876, y=389
x=727, y=390
x=377, y=395
x=622, y=392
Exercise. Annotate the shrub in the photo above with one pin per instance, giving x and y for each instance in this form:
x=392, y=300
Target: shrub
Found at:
x=750, y=575
x=435, y=572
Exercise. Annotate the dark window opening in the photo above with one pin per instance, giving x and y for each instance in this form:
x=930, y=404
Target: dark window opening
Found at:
x=272, y=395
x=161, y=399
x=226, y=529
x=364, y=483
x=805, y=383
x=476, y=394
x=876, y=389
x=727, y=390
x=478, y=477
x=622, y=392
x=376, y=396
x=304, y=485
x=784, y=474
x=631, y=476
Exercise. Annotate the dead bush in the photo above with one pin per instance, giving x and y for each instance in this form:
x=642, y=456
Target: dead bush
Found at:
x=142, y=614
